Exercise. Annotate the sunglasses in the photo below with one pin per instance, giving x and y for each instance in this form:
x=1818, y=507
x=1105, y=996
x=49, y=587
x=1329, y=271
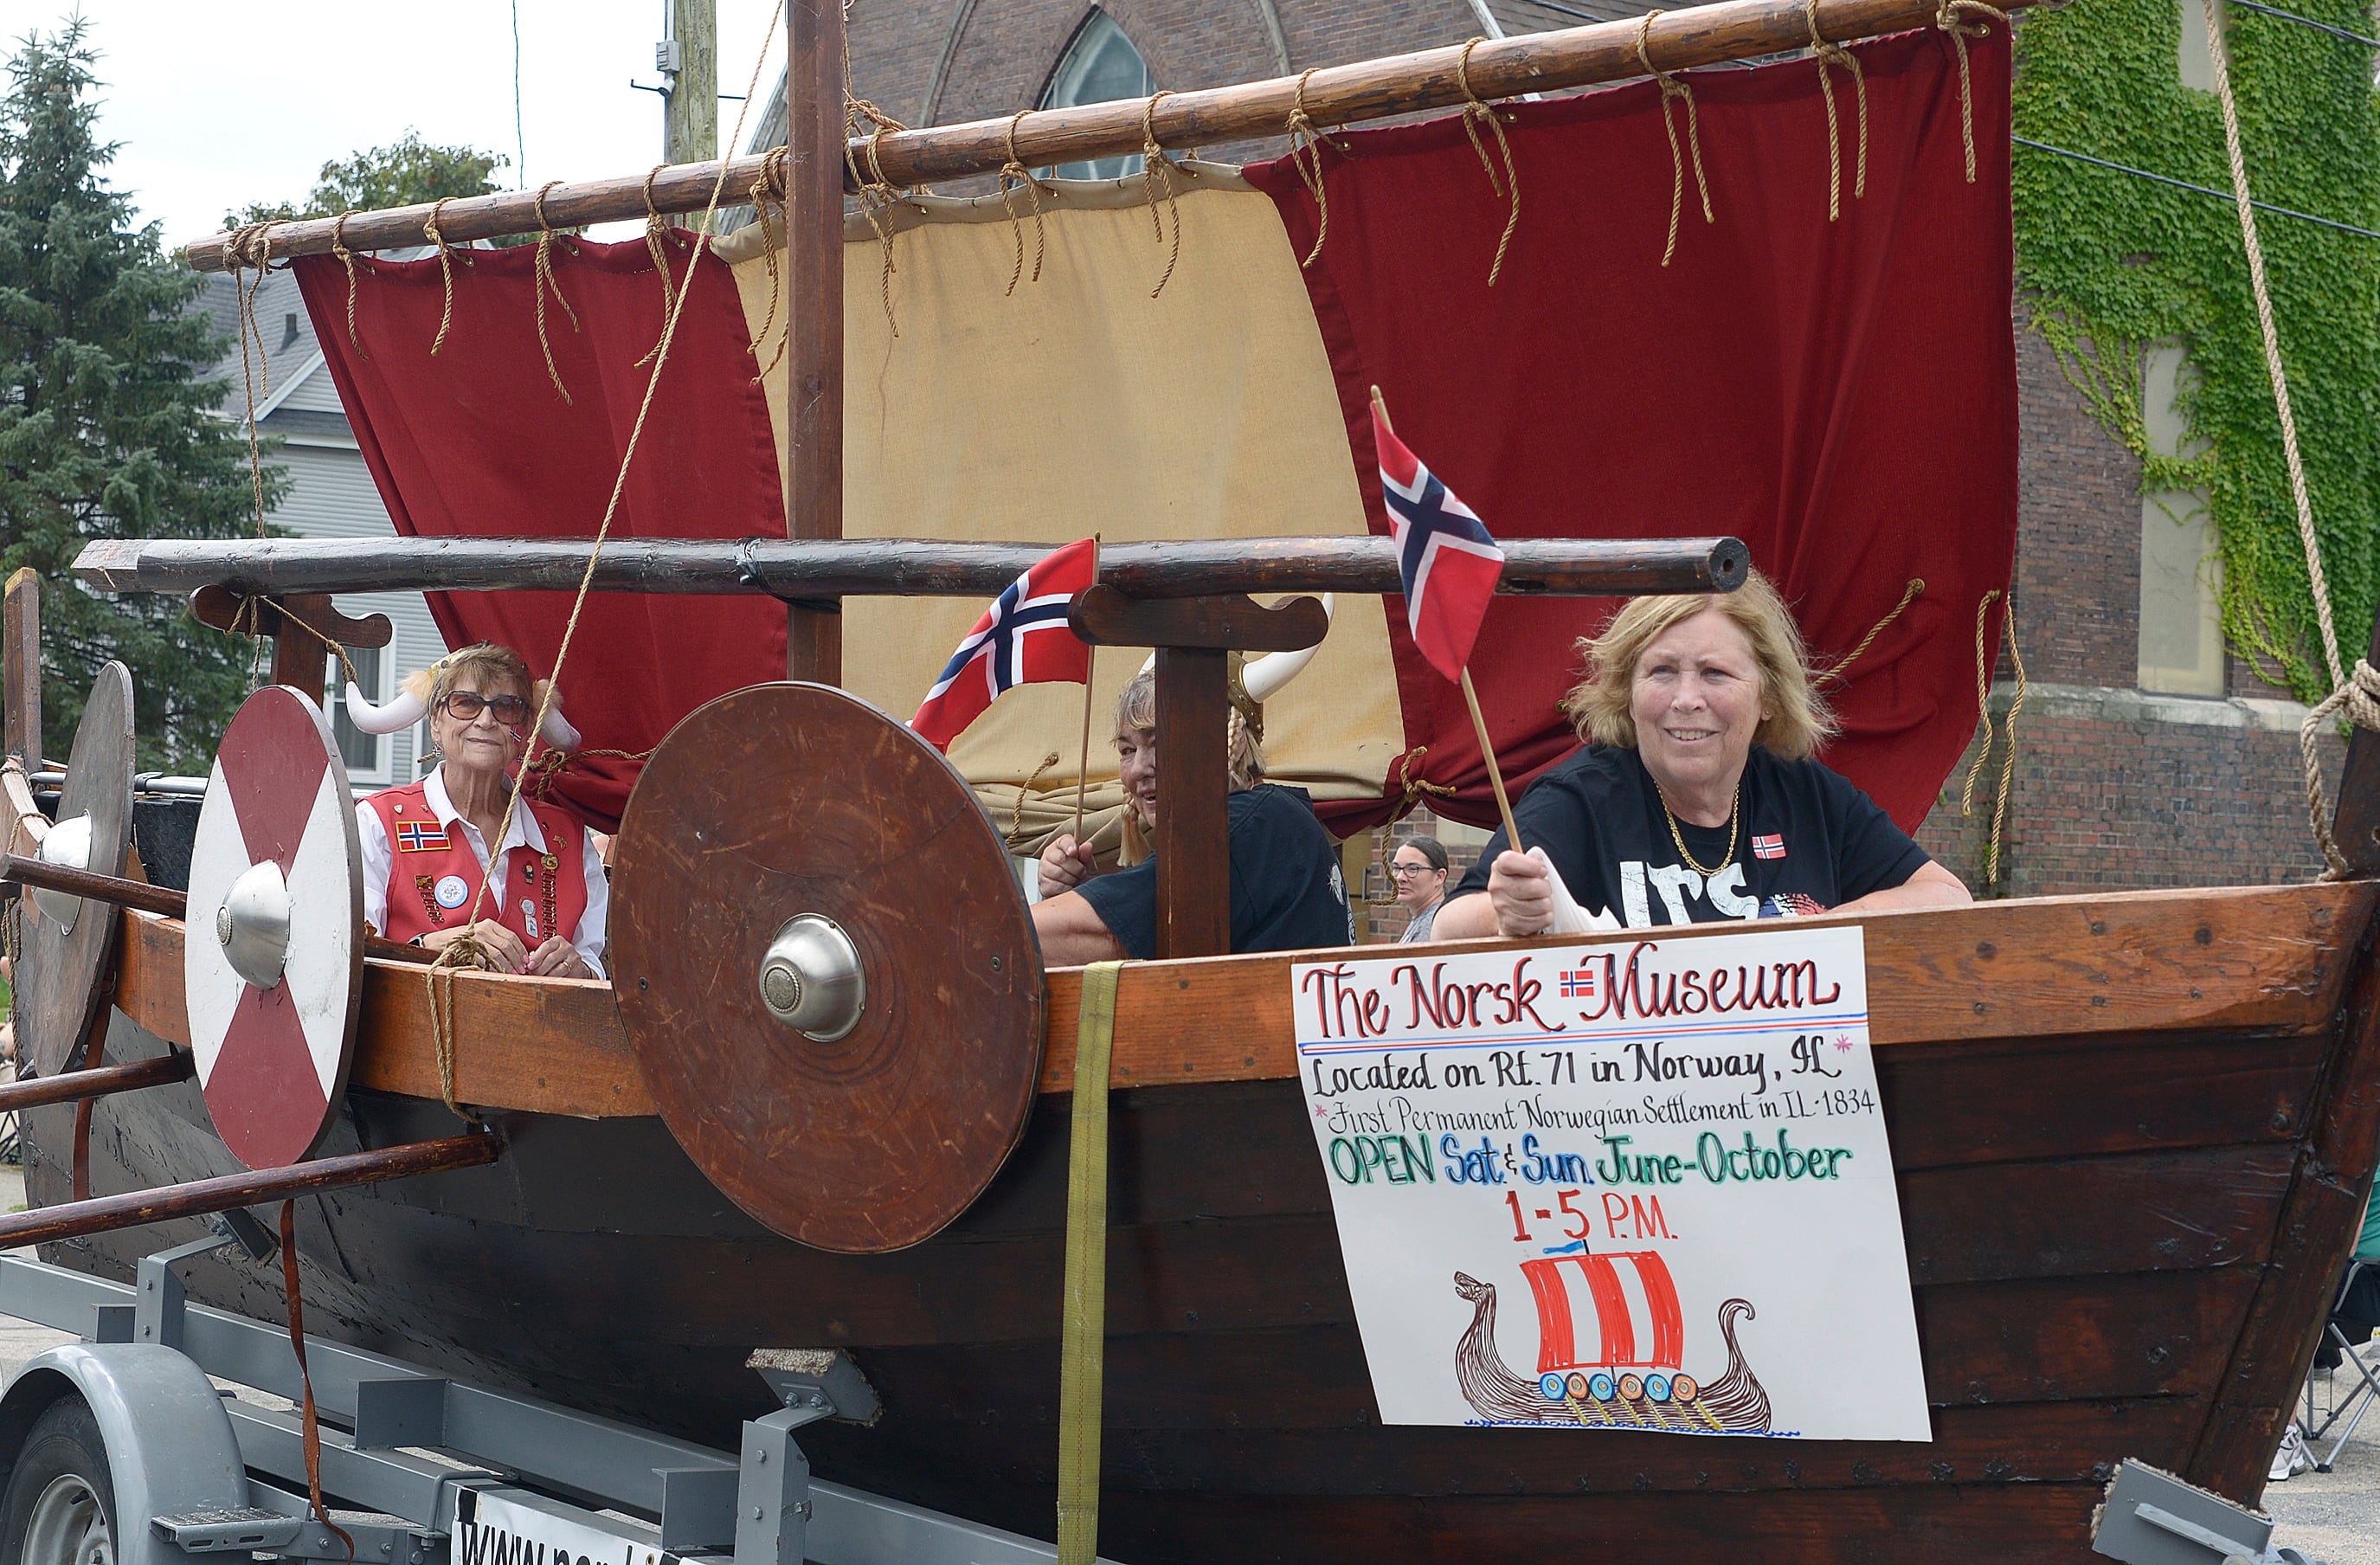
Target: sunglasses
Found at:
x=465, y=706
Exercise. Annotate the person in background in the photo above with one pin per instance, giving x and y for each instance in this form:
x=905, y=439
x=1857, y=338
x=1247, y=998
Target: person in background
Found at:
x=1695, y=798
x=1419, y=866
x=1288, y=893
x=425, y=847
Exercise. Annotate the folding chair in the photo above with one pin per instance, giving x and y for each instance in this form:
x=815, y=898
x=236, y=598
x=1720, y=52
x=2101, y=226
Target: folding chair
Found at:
x=2350, y=1408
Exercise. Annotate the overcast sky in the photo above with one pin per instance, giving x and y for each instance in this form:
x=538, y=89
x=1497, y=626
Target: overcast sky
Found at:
x=220, y=106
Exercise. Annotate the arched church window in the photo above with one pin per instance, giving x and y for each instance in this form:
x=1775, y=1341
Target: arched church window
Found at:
x=1100, y=65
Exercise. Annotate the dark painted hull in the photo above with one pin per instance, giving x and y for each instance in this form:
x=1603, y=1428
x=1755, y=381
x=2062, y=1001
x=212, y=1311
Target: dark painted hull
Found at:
x=2090, y=1223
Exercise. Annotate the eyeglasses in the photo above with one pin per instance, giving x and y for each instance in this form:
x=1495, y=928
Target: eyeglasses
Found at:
x=465, y=706
x=1402, y=870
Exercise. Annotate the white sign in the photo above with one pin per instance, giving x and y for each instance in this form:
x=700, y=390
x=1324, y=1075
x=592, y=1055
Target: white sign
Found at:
x=1638, y=1184
x=511, y=1527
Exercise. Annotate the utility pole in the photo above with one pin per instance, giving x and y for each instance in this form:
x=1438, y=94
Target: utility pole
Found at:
x=688, y=61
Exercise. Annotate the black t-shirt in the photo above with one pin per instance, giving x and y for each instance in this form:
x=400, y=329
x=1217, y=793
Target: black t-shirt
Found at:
x=1808, y=841
x=1287, y=892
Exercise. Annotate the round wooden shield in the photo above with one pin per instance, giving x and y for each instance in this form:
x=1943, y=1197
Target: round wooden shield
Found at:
x=272, y=959
x=826, y=968
x=58, y=982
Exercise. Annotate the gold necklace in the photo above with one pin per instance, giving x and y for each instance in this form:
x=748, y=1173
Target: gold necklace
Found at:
x=1734, y=817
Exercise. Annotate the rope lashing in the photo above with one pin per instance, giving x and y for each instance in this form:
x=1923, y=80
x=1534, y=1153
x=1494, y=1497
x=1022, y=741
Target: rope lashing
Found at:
x=1474, y=112
x=544, y=281
x=2359, y=695
x=768, y=189
x=466, y=950
x=877, y=196
x=443, y=1013
x=1830, y=54
x=1415, y=788
x=1306, y=157
x=1011, y=174
x=1949, y=19
x=1674, y=87
x=1156, y=168
x=2312, y=542
x=1983, y=707
x=252, y=246
x=445, y=273
x=1909, y=594
x=656, y=234
x=551, y=764
x=348, y=260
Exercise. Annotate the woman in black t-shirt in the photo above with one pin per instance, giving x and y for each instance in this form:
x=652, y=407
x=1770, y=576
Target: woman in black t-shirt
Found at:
x=1696, y=798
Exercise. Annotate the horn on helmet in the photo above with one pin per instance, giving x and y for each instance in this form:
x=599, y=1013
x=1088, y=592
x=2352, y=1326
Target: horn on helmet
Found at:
x=1263, y=679
x=557, y=730
x=403, y=710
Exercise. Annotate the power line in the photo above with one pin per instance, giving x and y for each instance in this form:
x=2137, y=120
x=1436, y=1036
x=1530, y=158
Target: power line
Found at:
x=2224, y=196
x=2306, y=22
x=520, y=137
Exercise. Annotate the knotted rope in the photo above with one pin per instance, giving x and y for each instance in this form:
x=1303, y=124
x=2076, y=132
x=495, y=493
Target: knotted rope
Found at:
x=1835, y=54
x=1023, y=791
x=544, y=281
x=877, y=195
x=348, y=260
x=2358, y=695
x=1984, y=706
x=1947, y=19
x=1305, y=156
x=769, y=189
x=542, y=773
x=1674, y=87
x=1915, y=590
x=656, y=236
x=1011, y=174
x=465, y=947
x=1156, y=168
x=252, y=246
x=1475, y=111
x=445, y=273
x=1417, y=788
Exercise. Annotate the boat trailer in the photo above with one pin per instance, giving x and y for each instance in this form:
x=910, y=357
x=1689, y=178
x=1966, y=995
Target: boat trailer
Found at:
x=423, y=1469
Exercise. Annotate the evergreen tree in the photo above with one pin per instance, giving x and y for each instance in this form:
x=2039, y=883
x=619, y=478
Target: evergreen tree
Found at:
x=105, y=429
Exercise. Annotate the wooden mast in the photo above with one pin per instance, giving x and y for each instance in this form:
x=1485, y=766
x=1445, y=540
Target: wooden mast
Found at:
x=814, y=121
x=1545, y=62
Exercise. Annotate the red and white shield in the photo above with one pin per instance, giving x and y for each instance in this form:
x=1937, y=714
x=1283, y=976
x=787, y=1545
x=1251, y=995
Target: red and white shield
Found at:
x=272, y=959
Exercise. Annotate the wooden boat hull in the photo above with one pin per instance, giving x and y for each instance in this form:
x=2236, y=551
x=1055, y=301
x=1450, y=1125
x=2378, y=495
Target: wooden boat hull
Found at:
x=2132, y=1134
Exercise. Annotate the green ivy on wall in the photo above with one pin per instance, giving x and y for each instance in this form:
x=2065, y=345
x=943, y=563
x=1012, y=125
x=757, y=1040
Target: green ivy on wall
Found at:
x=2110, y=263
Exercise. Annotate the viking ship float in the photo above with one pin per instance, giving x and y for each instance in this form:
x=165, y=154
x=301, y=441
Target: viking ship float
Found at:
x=2131, y=1131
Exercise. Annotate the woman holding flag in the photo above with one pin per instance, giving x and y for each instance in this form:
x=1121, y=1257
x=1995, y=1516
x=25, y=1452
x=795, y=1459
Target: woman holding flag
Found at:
x=1696, y=798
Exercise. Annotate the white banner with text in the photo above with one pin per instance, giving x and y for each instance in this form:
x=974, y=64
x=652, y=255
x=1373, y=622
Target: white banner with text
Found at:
x=1642, y=1185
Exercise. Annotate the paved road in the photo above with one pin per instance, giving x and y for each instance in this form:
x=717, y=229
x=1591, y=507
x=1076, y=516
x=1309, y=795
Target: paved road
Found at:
x=2334, y=1517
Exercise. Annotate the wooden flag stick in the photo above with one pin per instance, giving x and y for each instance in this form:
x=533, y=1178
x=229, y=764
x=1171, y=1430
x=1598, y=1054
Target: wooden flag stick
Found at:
x=1495, y=772
x=1470, y=696
x=1090, y=668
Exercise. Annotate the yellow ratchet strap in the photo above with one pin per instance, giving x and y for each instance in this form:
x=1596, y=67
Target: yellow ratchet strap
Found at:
x=1082, y=1360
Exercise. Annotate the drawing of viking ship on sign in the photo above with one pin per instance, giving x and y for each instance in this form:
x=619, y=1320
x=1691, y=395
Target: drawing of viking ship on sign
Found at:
x=1610, y=1353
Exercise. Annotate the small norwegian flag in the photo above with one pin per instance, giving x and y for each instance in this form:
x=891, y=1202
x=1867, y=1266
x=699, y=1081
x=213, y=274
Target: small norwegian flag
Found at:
x=1022, y=639
x=1579, y=983
x=1769, y=847
x=414, y=836
x=1449, y=562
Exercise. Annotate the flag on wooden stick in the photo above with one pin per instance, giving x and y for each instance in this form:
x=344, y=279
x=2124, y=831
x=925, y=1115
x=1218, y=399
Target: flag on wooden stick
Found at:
x=1022, y=639
x=1449, y=562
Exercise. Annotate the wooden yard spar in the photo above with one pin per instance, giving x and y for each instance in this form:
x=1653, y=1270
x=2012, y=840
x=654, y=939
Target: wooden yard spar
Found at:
x=1399, y=84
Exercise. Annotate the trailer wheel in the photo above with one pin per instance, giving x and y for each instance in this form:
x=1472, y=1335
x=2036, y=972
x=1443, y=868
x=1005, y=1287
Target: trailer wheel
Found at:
x=59, y=1508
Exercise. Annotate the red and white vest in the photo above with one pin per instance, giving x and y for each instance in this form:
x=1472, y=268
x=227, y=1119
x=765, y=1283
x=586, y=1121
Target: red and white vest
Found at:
x=434, y=877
